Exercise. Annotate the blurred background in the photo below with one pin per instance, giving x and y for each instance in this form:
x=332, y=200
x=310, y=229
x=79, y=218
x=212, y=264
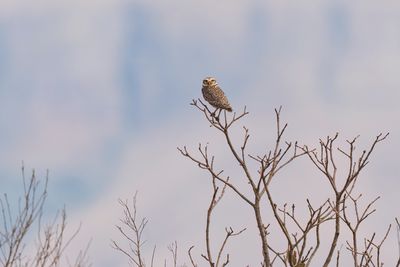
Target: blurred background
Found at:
x=98, y=93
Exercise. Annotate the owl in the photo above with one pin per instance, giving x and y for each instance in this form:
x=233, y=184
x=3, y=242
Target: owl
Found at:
x=213, y=94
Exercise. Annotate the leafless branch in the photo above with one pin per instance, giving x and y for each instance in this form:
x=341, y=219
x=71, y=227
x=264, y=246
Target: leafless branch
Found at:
x=173, y=248
x=325, y=162
x=132, y=230
x=191, y=257
x=51, y=239
x=229, y=233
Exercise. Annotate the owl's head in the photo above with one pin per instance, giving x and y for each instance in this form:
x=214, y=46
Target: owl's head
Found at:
x=209, y=81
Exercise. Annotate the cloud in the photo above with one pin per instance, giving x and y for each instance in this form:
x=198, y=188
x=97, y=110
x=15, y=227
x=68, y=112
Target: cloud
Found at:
x=60, y=84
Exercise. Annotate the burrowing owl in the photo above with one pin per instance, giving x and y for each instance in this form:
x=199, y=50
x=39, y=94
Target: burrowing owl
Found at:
x=214, y=95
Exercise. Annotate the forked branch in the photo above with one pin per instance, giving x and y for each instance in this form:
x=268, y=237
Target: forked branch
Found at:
x=325, y=162
x=132, y=230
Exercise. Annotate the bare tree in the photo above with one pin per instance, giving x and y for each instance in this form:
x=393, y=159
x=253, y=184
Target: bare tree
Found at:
x=17, y=227
x=269, y=163
x=300, y=229
x=303, y=241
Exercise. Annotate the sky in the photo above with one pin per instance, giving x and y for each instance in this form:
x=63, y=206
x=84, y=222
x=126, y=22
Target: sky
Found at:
x=98, y=93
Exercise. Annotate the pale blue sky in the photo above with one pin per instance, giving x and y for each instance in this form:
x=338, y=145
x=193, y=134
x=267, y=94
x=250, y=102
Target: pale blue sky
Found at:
x=98, y=92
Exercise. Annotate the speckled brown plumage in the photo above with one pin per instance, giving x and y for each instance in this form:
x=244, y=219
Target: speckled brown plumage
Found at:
x=213, y=94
